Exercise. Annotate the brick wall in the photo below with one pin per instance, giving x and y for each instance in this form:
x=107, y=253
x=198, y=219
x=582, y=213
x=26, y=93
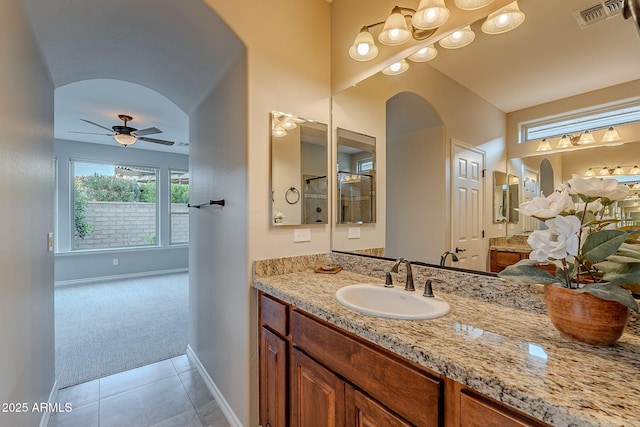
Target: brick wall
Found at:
x=122, y=224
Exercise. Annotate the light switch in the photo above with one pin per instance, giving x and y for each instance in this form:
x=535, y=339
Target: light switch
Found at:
x=50, y=242
x=302, y=235
x=353, y=233
x=115, y=261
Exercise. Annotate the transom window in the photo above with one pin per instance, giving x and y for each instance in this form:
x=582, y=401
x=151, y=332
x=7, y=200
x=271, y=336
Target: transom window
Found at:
x=593, y=119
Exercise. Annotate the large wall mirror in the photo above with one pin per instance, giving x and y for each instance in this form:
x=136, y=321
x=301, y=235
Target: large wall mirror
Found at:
x=356, y=178
x=453, y=107
x=299, y=184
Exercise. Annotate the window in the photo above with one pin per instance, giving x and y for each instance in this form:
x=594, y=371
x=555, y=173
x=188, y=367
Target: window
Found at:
x=179, y=187
x=115, y=206
x=598, y=118
x=365, y=165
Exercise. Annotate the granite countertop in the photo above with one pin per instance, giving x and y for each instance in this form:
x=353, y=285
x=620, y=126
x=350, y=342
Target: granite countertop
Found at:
x=511, y=355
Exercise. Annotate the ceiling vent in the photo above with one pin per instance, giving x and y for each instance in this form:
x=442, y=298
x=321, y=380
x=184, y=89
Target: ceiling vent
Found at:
x=598, y=12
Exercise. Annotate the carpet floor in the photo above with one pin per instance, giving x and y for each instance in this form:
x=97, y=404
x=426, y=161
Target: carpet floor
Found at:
x=110, y=327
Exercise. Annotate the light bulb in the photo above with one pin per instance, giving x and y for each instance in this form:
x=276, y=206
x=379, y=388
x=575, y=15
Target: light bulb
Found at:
x=396, y=68
x=504, y=19
x=363, y=48
x=458, y=39
x=565, y=142
x=589, y=172
x=611, y=135
x=618, y=171
x=425, y=54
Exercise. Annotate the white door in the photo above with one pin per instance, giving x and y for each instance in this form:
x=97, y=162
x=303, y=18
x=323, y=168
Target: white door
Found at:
x=466, y=207
x=530, y=189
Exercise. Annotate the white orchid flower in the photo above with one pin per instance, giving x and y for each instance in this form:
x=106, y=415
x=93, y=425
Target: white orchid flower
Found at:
x=591, y=206
x=559, y=241
x=594, y=187
x=547, y=207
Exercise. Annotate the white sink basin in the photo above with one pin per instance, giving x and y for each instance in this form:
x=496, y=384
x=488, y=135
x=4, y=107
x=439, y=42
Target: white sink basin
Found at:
x=393, y=303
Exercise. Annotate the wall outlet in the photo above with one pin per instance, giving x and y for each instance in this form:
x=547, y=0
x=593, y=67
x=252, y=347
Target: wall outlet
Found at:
x=302, y=235
x=353, y=233
x=115, y=261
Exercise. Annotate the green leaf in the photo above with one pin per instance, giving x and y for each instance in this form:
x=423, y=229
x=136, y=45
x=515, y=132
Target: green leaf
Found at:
x=611, y=292
x=630, y=275
x=525, y=272
x=623, y=259
x=599, y=245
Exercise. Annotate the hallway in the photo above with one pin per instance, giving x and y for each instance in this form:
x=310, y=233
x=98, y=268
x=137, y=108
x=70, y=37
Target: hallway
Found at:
x=163, y=394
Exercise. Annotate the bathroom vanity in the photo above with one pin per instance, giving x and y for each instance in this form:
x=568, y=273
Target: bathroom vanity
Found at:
x=482, y=364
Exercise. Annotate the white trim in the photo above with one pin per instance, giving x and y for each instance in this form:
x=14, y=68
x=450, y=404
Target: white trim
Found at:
x=89, y=280
x=53, y=396
x=217, y=395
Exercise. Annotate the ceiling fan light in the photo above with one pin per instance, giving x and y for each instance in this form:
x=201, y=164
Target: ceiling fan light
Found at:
x=458, y=39
x=589, y=173
x=430, y=14
x=364, y=47
x=425, y=54
x=565, y=142
x=611, y=135
x=396, y=68
x=472, y=4
x=395, y=30
x=504, y=19
x=544, y=145
x=124, y=138
x=586, y=138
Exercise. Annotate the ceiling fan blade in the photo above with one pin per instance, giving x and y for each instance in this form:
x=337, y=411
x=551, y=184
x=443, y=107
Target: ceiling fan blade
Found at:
x=95, y=124
x=91, y=133
x=156, y=141
x=147, y=131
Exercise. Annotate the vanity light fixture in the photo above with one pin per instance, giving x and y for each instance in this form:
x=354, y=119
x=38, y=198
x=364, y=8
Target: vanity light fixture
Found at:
x=396, y=68
x=364, y=47
x=472, y=4
x=611, y=135
x=544, y=145
x=566, y=141
x=430, y=14
x=618, y=171
x=504, y=19
x=279, y=132
x=458, y=39
x=405, y=23
x=604, y=171
x=589, y=173
x=586, y=138
x=423, y=55
x=635, y=170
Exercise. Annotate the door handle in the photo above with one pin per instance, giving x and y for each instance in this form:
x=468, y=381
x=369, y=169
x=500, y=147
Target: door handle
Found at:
x=458, y=250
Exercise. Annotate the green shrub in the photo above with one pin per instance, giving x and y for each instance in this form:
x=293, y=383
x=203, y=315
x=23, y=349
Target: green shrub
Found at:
x=82, y=227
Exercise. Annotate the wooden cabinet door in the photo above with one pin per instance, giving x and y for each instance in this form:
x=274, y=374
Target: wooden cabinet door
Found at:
x=317, y=395
x=476, y=412
x=362, y=411
x=273, y=380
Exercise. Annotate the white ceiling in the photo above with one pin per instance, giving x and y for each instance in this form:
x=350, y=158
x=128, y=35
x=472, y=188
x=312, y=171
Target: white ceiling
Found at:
x=178, y=49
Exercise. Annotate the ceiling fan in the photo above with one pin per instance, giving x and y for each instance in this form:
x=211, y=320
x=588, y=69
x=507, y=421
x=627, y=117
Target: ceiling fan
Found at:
x=126, y=135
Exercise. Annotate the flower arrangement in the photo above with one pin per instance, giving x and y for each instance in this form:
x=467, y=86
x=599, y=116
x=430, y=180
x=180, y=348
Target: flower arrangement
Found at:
x=591, y=254
x=278, y=217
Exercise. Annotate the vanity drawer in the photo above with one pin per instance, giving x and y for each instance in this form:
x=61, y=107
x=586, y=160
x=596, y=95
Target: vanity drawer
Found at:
x=507, y=258
x=408, y=391
x=274, y=315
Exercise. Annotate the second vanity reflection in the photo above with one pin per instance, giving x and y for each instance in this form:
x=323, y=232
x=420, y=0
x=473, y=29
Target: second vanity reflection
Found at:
x=299, y=184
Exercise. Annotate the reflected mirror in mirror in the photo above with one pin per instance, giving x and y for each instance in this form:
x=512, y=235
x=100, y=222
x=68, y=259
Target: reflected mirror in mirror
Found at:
x=299, y=185
x=500, y=197
x=356, y=163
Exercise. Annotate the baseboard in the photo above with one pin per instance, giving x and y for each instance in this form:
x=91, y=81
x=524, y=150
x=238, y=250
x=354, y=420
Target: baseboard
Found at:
x=46, y=415
x=231, y=417
x=87, y=281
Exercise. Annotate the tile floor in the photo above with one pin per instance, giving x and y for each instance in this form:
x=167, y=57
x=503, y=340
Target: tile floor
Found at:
x=169, y=393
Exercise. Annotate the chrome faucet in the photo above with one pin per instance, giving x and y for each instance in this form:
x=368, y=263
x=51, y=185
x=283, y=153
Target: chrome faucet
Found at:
x=443, y=258
x=408, y=286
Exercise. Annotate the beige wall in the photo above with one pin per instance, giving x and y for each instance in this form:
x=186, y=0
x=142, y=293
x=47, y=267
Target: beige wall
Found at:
x=27, y=176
